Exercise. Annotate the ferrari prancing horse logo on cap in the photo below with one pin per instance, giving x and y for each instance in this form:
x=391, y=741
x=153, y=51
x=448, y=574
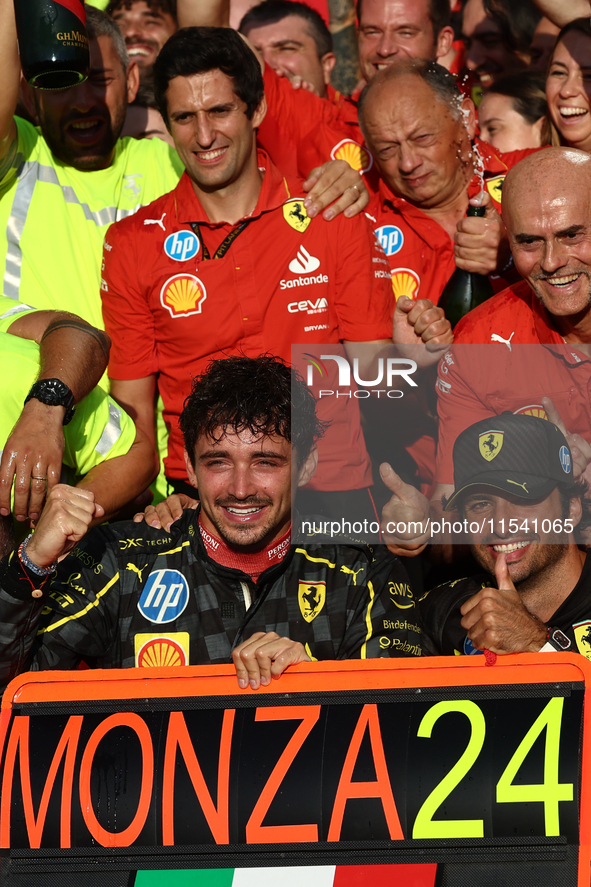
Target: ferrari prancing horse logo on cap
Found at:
x=490, y=444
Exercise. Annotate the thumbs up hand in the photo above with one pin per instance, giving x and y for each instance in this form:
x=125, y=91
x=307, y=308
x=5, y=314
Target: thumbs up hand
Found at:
x=406, y=526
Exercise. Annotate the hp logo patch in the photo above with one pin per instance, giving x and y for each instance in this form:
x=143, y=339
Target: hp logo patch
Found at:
x=181, y=246
x=165, y=596
x=391, y=239
x=564, y=459
x=470, y=649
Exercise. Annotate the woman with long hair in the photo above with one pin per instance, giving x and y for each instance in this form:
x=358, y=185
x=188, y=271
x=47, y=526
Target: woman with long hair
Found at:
x=568, y=86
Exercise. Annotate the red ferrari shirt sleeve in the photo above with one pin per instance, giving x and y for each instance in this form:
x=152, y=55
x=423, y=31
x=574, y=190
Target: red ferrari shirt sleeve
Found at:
x=363, y=294
x=296, y=111
x=126, y=312
x=458, y=403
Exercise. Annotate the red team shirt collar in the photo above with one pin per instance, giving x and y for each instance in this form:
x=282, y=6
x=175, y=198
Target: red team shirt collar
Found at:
x=274, y=192
x=251, y=563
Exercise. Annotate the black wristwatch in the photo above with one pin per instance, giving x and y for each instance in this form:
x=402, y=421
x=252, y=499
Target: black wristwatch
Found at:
x=54, y=393
x=556, y=640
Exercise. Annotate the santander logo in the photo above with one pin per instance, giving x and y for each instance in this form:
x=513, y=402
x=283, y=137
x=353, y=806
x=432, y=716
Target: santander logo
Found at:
x=304, y=263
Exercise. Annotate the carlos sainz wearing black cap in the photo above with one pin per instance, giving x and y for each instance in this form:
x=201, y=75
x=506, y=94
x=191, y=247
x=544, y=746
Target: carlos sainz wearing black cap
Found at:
x=522, y=511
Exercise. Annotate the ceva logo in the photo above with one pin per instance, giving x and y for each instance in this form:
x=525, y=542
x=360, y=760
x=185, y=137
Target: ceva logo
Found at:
x=304, y=263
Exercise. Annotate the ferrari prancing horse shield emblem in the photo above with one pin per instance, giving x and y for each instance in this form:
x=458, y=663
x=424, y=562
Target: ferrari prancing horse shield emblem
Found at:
x=311, y=598
x=490, y=444
x=294, y=213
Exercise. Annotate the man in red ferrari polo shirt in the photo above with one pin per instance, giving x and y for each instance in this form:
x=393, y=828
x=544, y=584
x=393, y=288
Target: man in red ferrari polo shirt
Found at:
x=230, y=263
x=321, y=129
x=303, y=130
x=550, y=233
x=420, y=131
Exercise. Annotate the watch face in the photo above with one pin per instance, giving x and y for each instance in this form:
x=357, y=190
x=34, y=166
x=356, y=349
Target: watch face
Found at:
x=53, y=393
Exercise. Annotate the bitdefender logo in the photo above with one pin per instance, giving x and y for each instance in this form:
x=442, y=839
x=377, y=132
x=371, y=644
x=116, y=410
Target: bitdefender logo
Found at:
x=304, y=263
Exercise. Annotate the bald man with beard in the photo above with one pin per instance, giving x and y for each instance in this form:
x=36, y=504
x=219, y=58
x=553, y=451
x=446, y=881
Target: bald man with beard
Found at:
x=547, y=213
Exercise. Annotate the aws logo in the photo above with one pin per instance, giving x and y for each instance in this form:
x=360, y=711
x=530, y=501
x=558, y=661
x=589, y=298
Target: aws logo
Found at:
x=183, y=295
x=398, y=591
x=356, y=156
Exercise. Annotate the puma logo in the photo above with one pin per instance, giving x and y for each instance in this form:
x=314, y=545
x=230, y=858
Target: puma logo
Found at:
x=159, y=221
x=496, y=338
x=137, y=570
x=353, y=573
x=523, y=486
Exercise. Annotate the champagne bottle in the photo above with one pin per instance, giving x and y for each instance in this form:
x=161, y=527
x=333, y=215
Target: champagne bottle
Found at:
x=53, y=42
x=465, y=290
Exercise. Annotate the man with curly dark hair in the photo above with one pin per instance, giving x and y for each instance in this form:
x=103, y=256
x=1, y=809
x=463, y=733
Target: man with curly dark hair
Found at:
x=235, y=579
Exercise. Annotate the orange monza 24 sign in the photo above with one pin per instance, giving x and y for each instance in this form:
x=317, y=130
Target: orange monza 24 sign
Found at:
x=411, y=765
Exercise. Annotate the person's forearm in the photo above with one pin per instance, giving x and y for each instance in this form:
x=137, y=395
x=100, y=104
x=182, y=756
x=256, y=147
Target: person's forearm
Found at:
x=70, y=348
x=203, y=13
x=76, y=353
x=117, y=482
x=10, y=77
x=561, y=13
x=136, y=396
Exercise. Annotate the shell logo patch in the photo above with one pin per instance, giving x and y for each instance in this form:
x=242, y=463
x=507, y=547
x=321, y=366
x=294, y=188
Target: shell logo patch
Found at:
x=494, y=187
x=532, y=409
x=183, y=295
x=311, y=598
x=582, y=632
x=490, y=444
x=356, y=156
x=156, y=650
x=405, y=282
x=294, y=213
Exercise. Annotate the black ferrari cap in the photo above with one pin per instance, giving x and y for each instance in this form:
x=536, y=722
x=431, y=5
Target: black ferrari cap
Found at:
x=521, y=455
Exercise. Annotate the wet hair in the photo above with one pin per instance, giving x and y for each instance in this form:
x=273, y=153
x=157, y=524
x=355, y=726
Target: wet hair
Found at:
x=258, y=394
x=198, y=50
x=439, y=15
x=165, y=6
x=98, y=24
x=517, y=21
x=437, y=78
x=269, y=12
x=527, y=90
